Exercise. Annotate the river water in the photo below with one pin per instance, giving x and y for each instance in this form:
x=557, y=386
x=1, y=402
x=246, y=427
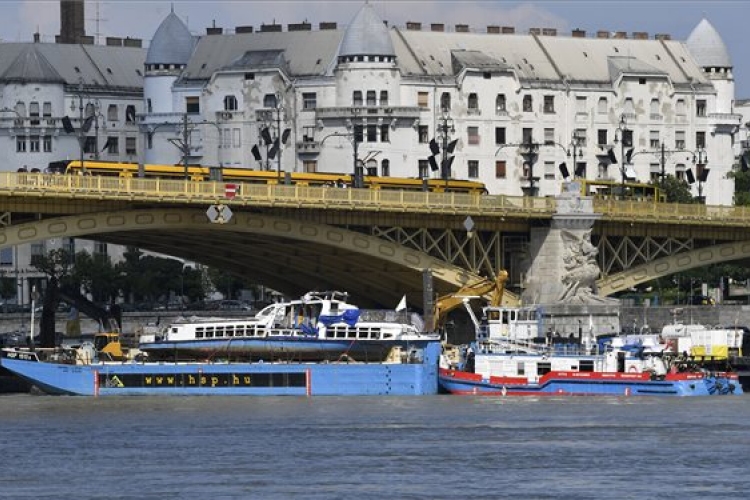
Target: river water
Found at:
x=379, y=447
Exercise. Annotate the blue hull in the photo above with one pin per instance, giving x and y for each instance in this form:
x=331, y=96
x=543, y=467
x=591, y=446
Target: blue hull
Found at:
x=235, y=379
x=469, y=384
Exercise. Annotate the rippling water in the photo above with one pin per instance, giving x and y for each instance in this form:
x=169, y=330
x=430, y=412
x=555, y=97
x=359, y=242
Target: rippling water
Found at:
x=384, y=447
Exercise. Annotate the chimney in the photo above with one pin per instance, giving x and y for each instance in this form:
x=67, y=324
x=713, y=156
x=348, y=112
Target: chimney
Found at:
x=132, y=42
x=437, y=27
x=493, y=29
x=578, y=33
x=412, y=26
x=535, y=31
x=327, y=26
x=72, y=25
x=621, y=35
x=112, y=41
x=243, y=29
x=662, y=36
x=270, y=28
x=508, y=30
x=36, y=37
x=640, y=35
x=462, y=28
x=602, y=34
x=299, y=27
x=549, y=31
x=213, y=30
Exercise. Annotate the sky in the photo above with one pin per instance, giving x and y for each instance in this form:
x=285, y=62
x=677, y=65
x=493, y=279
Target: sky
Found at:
x=20, y=19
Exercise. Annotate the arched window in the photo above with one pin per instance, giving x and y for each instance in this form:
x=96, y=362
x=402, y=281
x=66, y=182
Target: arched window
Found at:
x=371, y=98
x=112, y=113
x=654, y=106
x=385, y=168
x=445, y=101
x=372, y=167
x=500, y=103
x=384, y=98
x=269, y=101
x=357, y=98
x=90, y=109
x=473, y=101
x=527, y=103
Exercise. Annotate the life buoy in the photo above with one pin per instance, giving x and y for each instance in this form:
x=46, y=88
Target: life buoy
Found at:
x=633, y=369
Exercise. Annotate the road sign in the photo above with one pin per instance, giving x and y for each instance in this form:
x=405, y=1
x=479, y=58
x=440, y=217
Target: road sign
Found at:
x=219, y=214
x=230, y=190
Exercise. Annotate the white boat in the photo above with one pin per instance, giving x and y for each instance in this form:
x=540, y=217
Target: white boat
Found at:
x=318, y=327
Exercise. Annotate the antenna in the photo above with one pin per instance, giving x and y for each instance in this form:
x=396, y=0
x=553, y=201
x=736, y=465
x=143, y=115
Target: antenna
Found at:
x=98, y=19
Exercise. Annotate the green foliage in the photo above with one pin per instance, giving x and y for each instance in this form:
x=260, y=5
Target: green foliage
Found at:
x=741, y=186
x=676, y=190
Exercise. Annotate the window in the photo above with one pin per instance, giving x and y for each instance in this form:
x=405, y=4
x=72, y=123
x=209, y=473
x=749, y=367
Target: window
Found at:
x=308, y=134
x=113, y=145
x=679, y=139
x=112, y=112
x=192, y=105
x=309, y=100
x=384, y=133
x=237, y=137
x=150, y=141
x=581, y=105
x=700, y=107
x=603, y=170
x=47, y=143
x=527, y=103
x=90, y=145
x=500, y=103
x=100, y=248
x=225, y=138
x=372, y=167
x=310, y=166
x=654, y=172
x=359, y=133
x=700, y=139
x=500, y=136
x=629, y=107
x=21, y=144
x=549, y=136
x=445, y=101
x=654, y=139
x=601, y=106
x=6, y=257
x=423, y=132
x=424, y=166
x=371, y=99
x=680, y=107
x=473, y=169
x=130, y=146
x=372, y=133
x=130, y=114
x=270, y=101
x=149, y=106
x=357, y=98
x=654, y=106
x=527, y=135
x=423, y=99
x=473, y=103
x=230, y=103
x=601, y=137
x=47, y=112
x=385, y=168
x=627, y=138
x=384, y=98
x=90, y=110
x=580, y=135
x=34, y=144
x=549, y=104
x=34, y=113
x=473, y=135
x=500, y=169
x=549, y=170
x=679, y=171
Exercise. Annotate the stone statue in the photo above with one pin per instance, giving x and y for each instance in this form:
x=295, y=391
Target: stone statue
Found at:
x=580, y=269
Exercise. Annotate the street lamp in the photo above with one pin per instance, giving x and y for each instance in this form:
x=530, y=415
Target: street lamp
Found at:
x=357, y=180
x=274, y=145
x=529, y=151
x=445, y=129
x=574, y=151
x=620, y=133
x=700, y=159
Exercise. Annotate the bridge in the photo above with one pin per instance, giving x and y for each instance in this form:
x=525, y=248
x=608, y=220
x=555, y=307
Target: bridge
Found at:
x=375, y=244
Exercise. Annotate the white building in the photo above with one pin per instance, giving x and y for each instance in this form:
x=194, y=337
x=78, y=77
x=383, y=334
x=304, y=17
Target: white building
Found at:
x=396, y=89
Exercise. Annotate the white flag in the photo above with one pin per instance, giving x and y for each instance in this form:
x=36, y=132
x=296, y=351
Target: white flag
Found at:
x=401, y=305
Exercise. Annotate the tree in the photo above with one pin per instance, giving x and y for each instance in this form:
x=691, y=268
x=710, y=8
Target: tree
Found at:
x=676, y=190
x=56, y=265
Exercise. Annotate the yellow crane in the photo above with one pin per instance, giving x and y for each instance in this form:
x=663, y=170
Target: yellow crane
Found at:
x=449, y=302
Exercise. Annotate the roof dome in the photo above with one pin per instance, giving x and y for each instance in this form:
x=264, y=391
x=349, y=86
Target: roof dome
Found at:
x=31, y=66
x=707, y=47
x=367, y=35
x=172, y=43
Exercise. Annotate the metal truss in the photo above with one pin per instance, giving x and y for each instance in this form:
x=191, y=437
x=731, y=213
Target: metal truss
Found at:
x=619, y=253
x=478, y=252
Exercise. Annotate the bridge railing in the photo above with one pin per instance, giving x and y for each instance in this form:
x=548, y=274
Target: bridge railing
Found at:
x=678, y=212
x=181, y=191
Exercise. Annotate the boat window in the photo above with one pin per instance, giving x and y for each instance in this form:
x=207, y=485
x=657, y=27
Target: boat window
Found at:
x=493, y=315
x=198, y=332
x=340, y=333
x=505, y=317
x=543, y=368
x=209, y=332
x=351, y=333
x=586, y=365
x=521, y=370
x=388, y=336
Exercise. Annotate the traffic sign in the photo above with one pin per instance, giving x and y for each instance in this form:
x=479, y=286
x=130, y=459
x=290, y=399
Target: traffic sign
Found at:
x=219, y=214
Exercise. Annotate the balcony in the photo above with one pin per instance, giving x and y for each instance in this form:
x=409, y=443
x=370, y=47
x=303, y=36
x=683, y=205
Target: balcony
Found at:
x=344, y=112
x=308, y=146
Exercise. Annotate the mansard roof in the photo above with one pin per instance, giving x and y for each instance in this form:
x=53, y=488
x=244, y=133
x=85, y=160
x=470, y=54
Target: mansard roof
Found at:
x=30, y=65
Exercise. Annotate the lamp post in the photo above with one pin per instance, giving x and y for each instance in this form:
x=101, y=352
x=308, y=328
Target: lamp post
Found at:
x=272, y=117
x=445, y=129
x=577, y=149
x=700, y=159
x=529, y=151
x=357, y=180
x=620, y=136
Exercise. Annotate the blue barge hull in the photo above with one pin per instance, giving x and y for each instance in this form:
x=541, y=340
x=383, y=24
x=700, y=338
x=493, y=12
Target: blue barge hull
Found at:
x=230, y=379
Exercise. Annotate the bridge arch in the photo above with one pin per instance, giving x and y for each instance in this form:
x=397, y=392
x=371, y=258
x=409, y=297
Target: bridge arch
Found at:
x=293, y=256
x=673, y=264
